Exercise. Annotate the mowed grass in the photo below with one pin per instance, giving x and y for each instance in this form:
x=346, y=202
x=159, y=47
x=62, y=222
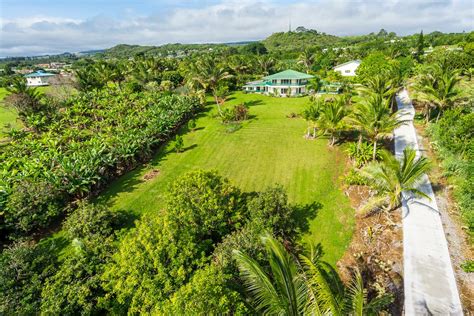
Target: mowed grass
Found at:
x=7, y=116
x=269, y=149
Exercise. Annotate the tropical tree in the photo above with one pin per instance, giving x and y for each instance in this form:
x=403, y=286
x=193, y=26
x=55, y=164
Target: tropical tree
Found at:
x=306, y=58
x=374, y=119
x=89, y=78
x=266, y=64
x=286, y=293
x=312, y=114
x=439, y=89
x=379, y=84
x=393, y=179
x=332, y=118
x=25, y=100
x=209, y=75
x=306, y=287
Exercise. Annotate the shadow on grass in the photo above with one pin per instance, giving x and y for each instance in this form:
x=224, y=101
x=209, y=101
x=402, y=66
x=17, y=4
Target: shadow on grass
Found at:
x=185, y=149
x=253, y=103
x=304, y=213
x=132, y=179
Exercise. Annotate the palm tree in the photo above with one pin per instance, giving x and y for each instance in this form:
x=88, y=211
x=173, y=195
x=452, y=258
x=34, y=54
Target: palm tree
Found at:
x=209, y=75
x=266, y=64
x=375, y=120
x=25, y=100
x=306, y=58
x=284, y=294
x=332, y=118
x=392, y=178
x=311, y=115
x=440, y=90
x=381, y=85
x=306, y=287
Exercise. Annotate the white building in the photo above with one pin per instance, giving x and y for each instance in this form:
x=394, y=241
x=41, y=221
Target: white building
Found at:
x=348, y=69
x=38, y=78
x=284, y=84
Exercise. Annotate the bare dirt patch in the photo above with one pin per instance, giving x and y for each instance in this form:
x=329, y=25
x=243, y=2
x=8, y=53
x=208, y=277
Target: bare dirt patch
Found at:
x=151, y=174
x=460, y=248
x=377, y=249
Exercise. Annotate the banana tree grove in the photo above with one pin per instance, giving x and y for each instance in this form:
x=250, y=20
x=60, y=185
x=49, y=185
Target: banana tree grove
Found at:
x=96, y=137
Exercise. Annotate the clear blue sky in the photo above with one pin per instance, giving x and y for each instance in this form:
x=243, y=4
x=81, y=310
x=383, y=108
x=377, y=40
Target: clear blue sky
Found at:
x=30, y=27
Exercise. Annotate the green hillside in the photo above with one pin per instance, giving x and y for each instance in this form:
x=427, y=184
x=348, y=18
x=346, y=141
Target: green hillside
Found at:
x=299, y=40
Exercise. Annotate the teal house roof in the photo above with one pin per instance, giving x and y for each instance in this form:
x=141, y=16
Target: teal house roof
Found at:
x=288, y=74
x=39, y=73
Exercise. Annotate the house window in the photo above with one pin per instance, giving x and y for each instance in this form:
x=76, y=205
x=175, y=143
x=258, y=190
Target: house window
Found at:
x=284, y=91
x=285, y=81
x=347, y=71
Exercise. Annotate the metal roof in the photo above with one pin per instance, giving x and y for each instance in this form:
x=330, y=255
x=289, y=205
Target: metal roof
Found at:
x=39, y=73
x=357, y=61
x=288, y=74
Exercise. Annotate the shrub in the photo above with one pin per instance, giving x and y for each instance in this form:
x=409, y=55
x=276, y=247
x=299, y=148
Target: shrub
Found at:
x=453, y=139
x=353, y=177
x=89, y=220
x=162, y=252
x=31, y=205
x=208, y=290
x=361, y=153
x=76, y=287
x=23, y=268
x=192, y=125
x=240, y=112
x=236, y=114
x=178, y=143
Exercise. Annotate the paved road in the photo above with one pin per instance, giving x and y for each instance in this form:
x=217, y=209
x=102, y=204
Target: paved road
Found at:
x=430, y=285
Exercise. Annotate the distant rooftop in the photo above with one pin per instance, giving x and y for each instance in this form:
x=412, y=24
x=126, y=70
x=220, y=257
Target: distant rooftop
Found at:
x=39, y=73
x=288, y=74
x=356, y=61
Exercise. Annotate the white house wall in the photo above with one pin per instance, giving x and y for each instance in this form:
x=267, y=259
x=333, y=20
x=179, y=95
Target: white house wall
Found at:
x=348, y=70
x=37, y=81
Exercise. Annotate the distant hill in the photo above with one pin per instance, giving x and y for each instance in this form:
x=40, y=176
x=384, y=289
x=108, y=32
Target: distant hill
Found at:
x=298, y=40
x=125, y=50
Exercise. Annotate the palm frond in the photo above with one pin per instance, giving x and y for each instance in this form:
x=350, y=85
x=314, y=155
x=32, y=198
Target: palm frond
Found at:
x=258, y=284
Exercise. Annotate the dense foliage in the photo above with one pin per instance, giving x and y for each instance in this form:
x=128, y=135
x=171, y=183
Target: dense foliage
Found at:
x=453, y=138
x=95, y=137
x=168, y=255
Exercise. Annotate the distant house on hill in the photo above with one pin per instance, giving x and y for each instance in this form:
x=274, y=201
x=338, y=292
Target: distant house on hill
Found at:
x=284, y=84
x=348, y=69
x=38, y=78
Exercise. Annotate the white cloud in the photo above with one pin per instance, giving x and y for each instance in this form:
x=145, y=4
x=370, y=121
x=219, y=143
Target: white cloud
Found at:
x=232, y=21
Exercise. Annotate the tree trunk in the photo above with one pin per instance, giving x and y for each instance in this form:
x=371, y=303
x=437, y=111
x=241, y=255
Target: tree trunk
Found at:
x=359, y=143
x=218, y=105
x=437, y=116
x=428, y=114
x=375, y=150
x=314, y=132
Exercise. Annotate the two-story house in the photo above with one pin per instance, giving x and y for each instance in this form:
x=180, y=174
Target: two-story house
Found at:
x=284, y=84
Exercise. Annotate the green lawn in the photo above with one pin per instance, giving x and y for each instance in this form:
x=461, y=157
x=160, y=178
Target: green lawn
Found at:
x=7, y=116
x=268, y=149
